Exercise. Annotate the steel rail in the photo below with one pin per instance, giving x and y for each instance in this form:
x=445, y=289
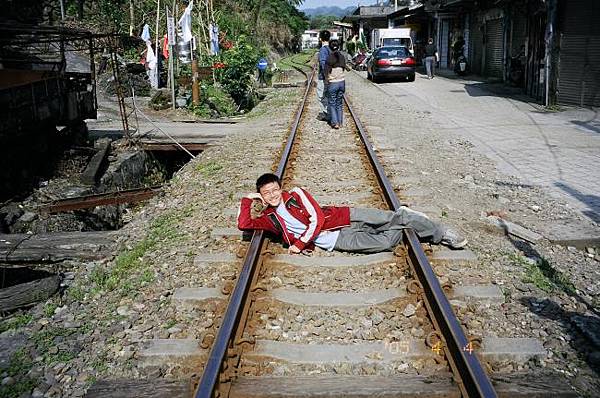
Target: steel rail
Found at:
x=102, y=199
x=470, y=376
x=223, y=340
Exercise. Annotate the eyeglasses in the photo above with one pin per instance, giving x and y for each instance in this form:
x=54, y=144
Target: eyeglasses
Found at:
x=271, y=193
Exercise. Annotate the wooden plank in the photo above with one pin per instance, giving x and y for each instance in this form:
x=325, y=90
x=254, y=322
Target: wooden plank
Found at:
x=166, y=146
x=348, y=386
x=533, y=385
x=398, y=386
x=54, y=247
x=92, y=172
x=155, y=388
x=27, y=294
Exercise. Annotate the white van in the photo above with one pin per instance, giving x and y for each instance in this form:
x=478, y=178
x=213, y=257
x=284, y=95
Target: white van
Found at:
x=393, y=37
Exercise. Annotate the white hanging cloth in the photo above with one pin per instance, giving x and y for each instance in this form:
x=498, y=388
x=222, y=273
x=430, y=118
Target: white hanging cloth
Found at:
x=151, y=61
x=185, y=23
x=146, y=33
x=213, y=32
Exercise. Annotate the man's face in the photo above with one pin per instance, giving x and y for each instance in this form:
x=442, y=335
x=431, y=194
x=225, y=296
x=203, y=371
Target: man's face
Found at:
x=271, y=193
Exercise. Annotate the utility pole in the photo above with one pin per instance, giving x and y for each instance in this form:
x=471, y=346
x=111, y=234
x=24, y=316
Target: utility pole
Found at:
x=195, y=86
x=156, y=50
x=131, y=17
x=171, y=43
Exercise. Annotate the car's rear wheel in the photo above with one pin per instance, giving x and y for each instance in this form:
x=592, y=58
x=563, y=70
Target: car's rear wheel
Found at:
x=411, y=78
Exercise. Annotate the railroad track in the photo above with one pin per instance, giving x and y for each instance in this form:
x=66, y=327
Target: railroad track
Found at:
x=300, y=66
x=345, y=325
x=266, y=324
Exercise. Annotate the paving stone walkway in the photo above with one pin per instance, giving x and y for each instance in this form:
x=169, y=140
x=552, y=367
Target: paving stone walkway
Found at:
x=557, y=150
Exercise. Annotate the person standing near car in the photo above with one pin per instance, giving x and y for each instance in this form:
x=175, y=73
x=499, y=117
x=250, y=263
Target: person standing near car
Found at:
x=324, y=37
x=336, y=84
x=431, y=56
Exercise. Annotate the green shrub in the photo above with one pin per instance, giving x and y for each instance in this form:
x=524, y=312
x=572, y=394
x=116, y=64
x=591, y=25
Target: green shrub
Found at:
x=237, y=77
x=214, y=102
x=351, y=47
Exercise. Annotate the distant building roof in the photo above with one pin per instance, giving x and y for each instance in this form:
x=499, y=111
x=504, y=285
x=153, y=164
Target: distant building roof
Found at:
x=373, y=10
x=368, y=13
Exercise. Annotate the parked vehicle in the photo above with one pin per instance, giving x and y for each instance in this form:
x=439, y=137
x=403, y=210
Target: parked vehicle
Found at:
x=460, y=65
x=359, y=61
x=391, y=62
x=458, y=58
x=393, y=37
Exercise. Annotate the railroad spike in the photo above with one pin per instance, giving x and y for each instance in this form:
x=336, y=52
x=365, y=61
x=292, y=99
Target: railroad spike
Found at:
x=433, y=338
x=400, y=251
x=246, y=340
x=207, y=340
x=258, y=287
x=447, y=287
x=414, y=287
x=226, y=289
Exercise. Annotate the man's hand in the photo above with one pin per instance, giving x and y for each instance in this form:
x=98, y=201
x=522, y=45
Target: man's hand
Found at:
x=293, y=250
x=256, y=196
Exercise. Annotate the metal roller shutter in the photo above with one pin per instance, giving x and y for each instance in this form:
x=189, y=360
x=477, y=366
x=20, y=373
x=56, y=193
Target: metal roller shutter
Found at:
x=476, y=48
x=579, y=70
x=444, y=45
x=579, y=63
x=494, y=47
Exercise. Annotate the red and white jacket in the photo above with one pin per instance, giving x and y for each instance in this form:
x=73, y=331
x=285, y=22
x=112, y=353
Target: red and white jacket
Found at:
x=305, y=209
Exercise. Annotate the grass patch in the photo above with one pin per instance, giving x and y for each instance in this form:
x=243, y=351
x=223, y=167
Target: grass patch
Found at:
x=44, y=341
x=76, y=293
x=20, y=363
x=209, y=168
x=298, y=60
x=49, y=309
x=169, y=324
x=164, y=230
x=15, y=322
x=100, y=364
x=275, y=101
x=535, y=276
x=559, y=279
x=543, y=275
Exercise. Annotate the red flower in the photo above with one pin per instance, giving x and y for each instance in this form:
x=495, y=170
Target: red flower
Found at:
x=219, y=65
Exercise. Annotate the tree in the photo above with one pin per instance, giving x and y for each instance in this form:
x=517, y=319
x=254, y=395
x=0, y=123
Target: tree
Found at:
x=322, y=21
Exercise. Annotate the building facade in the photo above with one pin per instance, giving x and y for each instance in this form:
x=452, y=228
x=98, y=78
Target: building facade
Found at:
x=549, y=48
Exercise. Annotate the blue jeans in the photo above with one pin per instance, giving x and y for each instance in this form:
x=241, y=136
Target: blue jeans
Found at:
x=322, y=96
x=430, y=66
x=335, y=96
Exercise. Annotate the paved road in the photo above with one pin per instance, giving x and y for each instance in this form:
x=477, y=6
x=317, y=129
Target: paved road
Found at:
x=557, y=150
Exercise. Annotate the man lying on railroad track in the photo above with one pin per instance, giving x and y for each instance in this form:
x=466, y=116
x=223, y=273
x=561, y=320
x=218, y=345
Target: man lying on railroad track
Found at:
x=303, y=224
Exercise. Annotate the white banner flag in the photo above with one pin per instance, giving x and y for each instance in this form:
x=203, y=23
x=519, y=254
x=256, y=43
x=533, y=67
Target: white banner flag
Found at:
x=185, y=23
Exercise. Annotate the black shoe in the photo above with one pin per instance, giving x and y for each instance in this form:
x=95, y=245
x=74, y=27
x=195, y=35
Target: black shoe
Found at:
x=322, y=117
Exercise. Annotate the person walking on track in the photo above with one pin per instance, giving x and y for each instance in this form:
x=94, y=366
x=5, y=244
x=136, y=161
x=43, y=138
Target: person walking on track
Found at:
x=324, y=37
x=336, y=84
